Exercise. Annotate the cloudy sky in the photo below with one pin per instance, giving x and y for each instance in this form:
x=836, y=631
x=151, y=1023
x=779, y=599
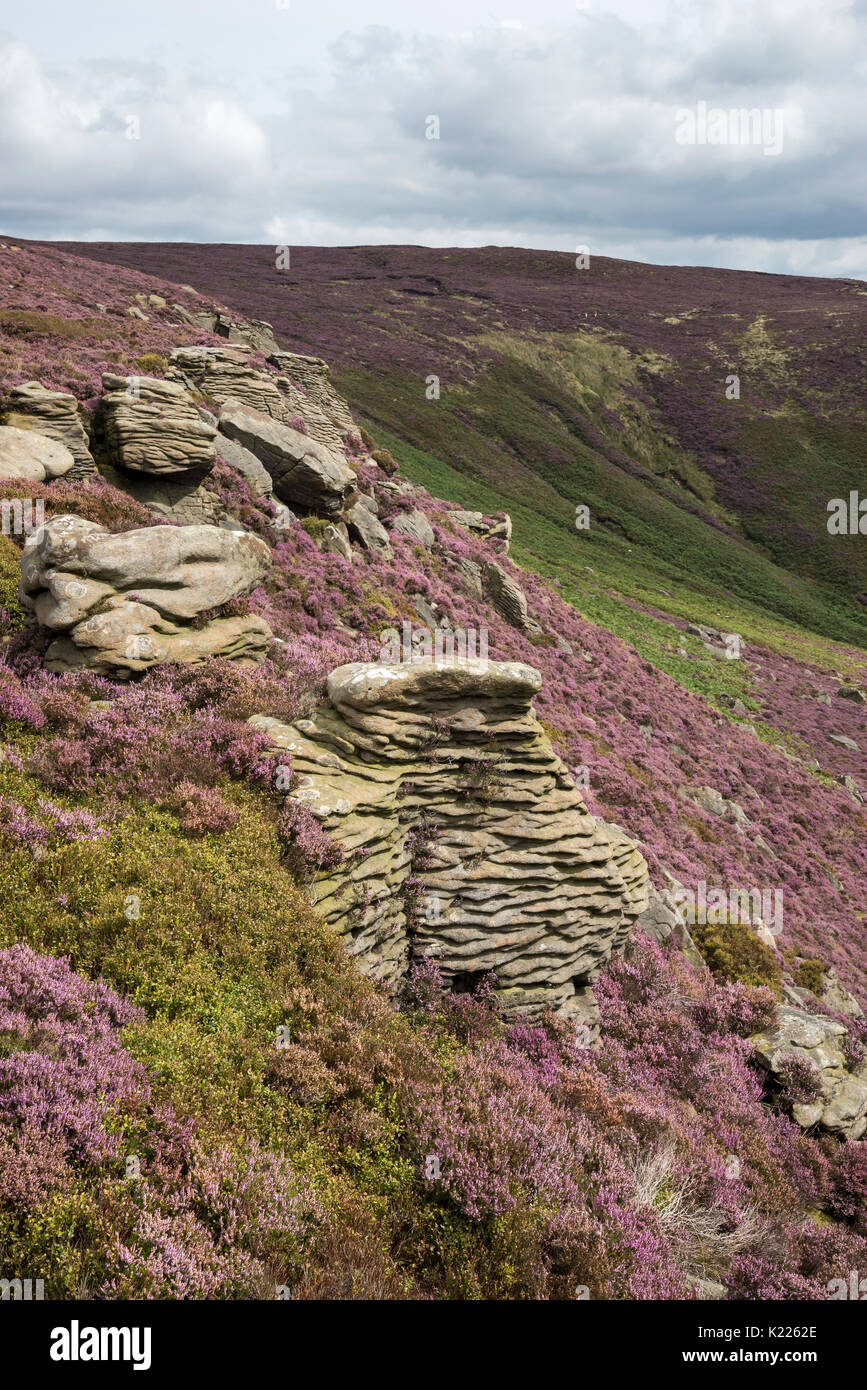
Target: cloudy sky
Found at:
x=607, y=123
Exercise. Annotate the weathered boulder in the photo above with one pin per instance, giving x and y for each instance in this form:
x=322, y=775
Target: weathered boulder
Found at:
x=32, y=457
x=465, y=837
x=152, y=426
x=415, y=525
x=496, y=528
x=254, y=333
x=122, y=603
x=713, y=803
x=844, y=741
x=54, y=413
x=304, y=473
x=507, y=596
x=840, y=1106
x=367, y=528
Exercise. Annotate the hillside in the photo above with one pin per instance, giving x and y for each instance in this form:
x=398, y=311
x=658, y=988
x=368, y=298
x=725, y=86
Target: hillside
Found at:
x=173, y=991
x=604, y=387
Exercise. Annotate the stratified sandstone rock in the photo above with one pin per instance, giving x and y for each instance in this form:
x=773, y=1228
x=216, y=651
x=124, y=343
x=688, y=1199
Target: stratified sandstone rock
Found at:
x=496, y=528
x=305, y=474
x=54, y=413
x=841, y=1108
x=306, y=385
x=465, y=837
x=32, y=457
x=126, y=602
x=152, y=426
x=225, y=374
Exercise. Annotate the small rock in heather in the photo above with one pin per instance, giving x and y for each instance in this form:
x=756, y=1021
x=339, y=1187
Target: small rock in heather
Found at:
x=844, y=741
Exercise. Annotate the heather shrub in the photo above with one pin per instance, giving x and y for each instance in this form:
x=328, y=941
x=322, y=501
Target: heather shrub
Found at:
x=237, y=1226
x=145, y=743
x=54, y=824
x=64, y=1070
x=194, y=1222
x=734, y=952
x=93, y=499
x=800, y=1081
x=848, y=1192
x=17, y=704
x=306, y=848
x=201, y=810
x=761, y=1280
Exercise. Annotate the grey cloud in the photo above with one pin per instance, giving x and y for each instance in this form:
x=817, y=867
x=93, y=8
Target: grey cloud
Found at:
x=549, y=136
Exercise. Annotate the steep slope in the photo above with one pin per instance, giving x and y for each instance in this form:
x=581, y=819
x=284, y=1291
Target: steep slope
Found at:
x=295, y=1128
x=604, y=387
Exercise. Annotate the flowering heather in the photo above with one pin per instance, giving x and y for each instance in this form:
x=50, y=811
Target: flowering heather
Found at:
x=64, y=1070
x=453, y=1154
x=62, y=825
x=195, y=1222
x=307, y=850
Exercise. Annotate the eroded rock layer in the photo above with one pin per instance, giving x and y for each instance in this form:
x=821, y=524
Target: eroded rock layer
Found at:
x=56, y=414
x=121, y=603
x=464, y=836
x=152, y=426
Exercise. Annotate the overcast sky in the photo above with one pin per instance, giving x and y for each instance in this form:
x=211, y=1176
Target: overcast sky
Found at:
x=560, y=125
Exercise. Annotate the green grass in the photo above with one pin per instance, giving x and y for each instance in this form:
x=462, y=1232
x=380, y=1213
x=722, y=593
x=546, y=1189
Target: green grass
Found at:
x=517, y=440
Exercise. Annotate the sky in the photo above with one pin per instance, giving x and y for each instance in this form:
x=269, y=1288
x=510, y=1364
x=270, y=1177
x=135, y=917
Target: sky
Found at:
x=689, y=132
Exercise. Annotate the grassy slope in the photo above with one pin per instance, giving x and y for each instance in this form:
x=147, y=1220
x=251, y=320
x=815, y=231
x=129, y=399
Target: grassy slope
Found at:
x=605, y=388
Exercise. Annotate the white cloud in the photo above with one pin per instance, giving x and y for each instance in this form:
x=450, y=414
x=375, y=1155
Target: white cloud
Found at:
x=551, y=135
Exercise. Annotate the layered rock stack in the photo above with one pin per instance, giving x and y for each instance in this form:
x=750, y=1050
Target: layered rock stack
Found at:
x=158, y=448
x=306, y=384
x=152, y=426
x=122, y=603
x=225, y=374
x=464, y=836
x=55, y=414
